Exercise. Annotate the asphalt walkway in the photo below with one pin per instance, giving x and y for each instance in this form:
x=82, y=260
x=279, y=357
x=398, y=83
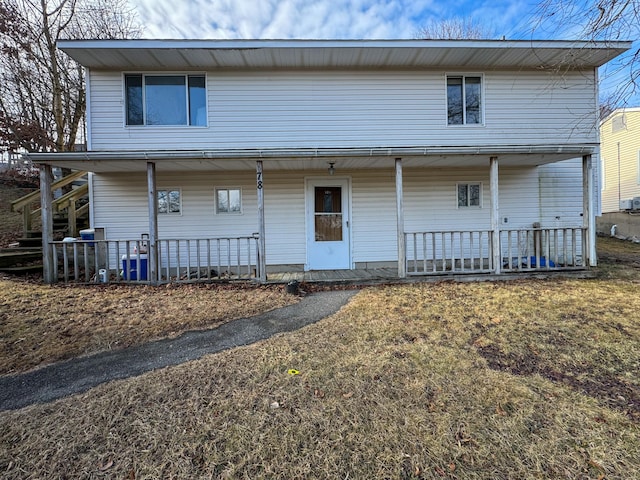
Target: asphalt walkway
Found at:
x=80, y=374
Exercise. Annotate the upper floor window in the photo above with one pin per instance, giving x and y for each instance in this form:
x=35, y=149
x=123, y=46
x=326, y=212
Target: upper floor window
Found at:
x=165, y=100
x=464, y=100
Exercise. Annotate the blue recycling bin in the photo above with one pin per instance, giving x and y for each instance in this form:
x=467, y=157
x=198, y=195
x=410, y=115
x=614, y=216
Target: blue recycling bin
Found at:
x=88, y=234
x=130, y=269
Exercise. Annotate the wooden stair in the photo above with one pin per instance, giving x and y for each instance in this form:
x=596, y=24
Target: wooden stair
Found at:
x=70, y=216
x=24, y=258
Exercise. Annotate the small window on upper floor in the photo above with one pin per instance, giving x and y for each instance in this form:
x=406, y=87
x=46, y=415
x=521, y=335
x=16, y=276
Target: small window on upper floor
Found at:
x=469, y=194
x=228, y=200
x=464, y=100
x=165, y=100
x=170, y=201
x=618, y=123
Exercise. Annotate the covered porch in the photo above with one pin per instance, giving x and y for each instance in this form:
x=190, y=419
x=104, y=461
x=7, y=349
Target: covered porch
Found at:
x=156, y=259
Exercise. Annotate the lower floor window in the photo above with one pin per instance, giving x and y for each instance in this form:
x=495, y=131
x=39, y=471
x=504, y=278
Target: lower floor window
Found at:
x=170, y=201
x=228, y=200
x=469, y=194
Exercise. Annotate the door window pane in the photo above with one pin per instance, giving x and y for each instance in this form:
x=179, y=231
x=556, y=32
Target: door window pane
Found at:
x=328, y=214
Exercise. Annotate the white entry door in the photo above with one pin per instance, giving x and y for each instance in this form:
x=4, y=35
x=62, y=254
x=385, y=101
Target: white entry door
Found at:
x=328, y=245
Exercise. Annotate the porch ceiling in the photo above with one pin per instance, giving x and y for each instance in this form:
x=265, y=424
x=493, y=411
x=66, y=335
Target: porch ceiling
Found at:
x=310, y=159
x=339, y=54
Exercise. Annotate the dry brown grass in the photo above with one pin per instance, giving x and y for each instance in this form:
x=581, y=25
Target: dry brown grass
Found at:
x=41, y=324
x=467, y=381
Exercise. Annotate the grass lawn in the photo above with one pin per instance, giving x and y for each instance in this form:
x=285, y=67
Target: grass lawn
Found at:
x=535, y=379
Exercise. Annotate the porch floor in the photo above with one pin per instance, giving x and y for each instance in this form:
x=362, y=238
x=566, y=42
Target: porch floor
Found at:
x=390, y=275
x=376, y=275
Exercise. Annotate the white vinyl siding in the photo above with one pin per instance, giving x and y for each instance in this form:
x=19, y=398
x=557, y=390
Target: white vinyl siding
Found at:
x=120, y=205
x=355, y=109
x=561, y=199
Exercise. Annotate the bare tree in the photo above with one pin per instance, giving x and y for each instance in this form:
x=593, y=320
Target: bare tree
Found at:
x=42, y=91
x=454, y=29
x=601, y=20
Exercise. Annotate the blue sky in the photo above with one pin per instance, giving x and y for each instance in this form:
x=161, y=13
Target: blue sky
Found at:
x=350, y=19
x=325, y=19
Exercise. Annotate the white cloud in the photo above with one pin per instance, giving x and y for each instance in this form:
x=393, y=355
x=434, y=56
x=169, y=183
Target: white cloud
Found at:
x=318, y=19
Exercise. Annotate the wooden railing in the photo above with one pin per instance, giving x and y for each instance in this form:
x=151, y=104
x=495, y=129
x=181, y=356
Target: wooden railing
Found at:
x=65, y=202
x=179, y=260
x=433, y=253
x=543, y=249
x=468, y=252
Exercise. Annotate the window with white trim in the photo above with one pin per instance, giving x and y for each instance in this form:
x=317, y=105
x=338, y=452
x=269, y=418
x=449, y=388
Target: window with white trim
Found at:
x=469, y=194
x=228, y=200
x=169, y=201
x=464, y=100
x=165, y=100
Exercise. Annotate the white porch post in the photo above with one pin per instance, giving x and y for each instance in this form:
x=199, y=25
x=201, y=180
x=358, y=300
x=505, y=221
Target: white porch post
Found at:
x=402, y=250
x=588, y=220
x=152, y=248
x=46, y=209
x=495, y=214
x=262, y=261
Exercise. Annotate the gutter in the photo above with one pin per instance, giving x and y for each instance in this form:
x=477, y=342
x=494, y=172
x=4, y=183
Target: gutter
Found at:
x=294, y=153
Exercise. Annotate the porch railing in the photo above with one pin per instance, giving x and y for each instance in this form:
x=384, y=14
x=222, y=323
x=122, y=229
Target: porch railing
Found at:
x=543, y=249
x=179, y=260
x=441, y=252
x=470, y=251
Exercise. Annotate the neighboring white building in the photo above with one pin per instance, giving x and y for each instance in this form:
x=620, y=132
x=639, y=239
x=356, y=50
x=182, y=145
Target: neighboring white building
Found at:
x=426, y=156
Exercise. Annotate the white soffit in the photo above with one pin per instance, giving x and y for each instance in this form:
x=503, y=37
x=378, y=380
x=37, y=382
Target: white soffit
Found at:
x=339, y=54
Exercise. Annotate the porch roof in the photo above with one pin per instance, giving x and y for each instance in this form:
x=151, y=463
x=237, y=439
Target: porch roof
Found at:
x=340, y=54
x=311, y=158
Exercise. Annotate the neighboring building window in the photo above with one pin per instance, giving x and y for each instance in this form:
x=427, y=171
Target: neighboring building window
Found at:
x=170, y=202
x=228, y=200
x=469, y=194
x=464, y=100
x=618, y=123
x=165, y=100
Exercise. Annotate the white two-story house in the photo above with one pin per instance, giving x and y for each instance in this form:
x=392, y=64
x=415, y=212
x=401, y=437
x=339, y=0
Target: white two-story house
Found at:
x=420, y=157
